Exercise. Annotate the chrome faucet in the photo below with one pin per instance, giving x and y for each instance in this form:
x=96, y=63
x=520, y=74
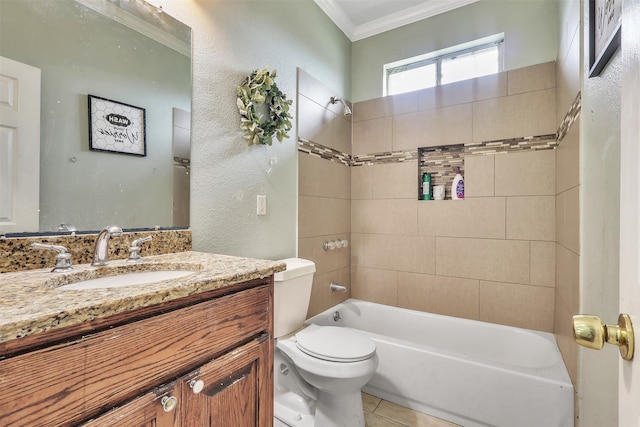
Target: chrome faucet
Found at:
x=63, y=258
x=101, y=251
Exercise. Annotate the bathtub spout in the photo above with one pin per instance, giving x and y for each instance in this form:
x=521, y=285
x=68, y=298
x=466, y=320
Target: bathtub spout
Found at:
x=336, y=287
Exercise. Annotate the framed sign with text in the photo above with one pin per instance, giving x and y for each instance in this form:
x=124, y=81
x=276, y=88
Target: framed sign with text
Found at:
x=605, y=26
x=116, y=127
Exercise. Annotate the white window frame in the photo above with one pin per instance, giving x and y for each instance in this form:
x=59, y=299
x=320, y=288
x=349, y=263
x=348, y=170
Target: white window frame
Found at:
x=437, y=57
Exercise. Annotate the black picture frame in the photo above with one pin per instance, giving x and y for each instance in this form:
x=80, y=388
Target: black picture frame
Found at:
x=116, y=127
x=605, y=28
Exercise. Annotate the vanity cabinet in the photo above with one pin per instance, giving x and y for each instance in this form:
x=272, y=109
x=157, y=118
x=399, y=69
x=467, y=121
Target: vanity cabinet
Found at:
x=202, y=360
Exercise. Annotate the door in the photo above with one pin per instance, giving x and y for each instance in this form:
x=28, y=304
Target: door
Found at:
x=629, y=373
x=19, y=146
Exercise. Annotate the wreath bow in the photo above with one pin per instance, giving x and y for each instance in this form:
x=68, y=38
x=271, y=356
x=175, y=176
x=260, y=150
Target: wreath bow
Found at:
x=259, y=88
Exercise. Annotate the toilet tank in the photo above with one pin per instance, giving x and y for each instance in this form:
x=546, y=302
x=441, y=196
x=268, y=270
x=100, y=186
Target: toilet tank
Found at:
x=292, y=292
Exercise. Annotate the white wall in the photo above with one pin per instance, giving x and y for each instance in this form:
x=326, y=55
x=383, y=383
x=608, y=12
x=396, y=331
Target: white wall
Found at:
x=531, y=37
x=231, y=39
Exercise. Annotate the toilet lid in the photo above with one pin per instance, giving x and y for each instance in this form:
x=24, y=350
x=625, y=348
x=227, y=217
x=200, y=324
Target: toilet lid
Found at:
x=335, y=344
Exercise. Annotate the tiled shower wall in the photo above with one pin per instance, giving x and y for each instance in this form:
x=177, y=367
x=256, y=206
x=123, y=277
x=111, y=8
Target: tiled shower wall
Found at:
x=324, y=190
x=490, y=257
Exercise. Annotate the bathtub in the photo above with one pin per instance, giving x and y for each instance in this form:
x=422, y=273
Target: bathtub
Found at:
x=468, y=372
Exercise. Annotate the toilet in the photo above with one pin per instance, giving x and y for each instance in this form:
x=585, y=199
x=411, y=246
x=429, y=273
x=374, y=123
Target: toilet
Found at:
x=318, y=370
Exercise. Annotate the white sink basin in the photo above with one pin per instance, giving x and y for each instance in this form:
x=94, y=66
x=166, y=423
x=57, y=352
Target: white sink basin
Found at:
x=127, y=279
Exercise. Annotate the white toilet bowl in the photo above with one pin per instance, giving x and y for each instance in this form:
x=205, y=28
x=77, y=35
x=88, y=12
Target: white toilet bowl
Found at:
x=320, y=370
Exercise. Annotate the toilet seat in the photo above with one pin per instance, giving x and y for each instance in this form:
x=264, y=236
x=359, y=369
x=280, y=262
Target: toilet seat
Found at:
x=335, y=344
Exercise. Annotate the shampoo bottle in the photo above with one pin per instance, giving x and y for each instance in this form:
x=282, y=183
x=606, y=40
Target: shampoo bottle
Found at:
x=457, y=188
x=426, y=186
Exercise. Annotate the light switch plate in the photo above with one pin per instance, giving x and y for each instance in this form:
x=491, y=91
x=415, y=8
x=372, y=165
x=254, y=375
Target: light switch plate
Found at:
x=262, y=204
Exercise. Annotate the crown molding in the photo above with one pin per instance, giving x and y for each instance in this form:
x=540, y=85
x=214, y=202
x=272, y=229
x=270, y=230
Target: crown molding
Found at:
x=408, y=16
x=337, y=15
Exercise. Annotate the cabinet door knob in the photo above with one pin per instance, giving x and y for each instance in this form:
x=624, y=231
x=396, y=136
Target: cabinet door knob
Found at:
x=169, y=403
x=196, y=386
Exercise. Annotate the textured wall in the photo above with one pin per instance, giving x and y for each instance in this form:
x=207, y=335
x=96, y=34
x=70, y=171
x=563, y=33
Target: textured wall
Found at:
x=230, y=39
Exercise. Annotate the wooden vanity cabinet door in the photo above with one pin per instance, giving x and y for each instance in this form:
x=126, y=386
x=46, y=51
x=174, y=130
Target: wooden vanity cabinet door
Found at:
x=238, y=389
x=143, y=411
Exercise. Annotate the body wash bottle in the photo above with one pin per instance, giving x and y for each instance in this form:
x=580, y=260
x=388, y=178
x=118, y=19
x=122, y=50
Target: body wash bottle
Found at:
x=457, y=188
x=426, y=186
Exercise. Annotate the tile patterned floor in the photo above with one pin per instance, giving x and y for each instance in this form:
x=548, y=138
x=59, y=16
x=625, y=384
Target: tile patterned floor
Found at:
x=380, y=413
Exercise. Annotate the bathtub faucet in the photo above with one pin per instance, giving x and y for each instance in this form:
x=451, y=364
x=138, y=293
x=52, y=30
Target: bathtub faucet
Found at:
x=336, y=287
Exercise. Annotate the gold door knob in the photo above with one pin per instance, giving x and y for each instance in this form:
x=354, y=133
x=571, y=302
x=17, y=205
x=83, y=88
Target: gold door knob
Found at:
x=590, y=332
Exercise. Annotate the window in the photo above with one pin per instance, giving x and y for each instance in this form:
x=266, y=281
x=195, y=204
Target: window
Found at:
x=479, y=58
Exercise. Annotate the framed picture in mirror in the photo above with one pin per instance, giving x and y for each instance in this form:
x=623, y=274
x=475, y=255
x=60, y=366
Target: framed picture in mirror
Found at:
x=116, y=127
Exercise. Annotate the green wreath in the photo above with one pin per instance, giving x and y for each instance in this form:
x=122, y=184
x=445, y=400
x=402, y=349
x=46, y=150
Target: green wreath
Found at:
x=259, y=87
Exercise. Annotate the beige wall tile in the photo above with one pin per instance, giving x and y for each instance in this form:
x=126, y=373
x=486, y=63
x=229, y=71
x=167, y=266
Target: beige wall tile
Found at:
x=384, y=216
x=372, y=136
x=531, y=218
x=479, y=176
x=543, y=263
x=450, y=296
x=568, y=278
x=402, y=253
x=374, y=285
x=315, y=123
x=523, y=306
x=342, y=128
x=329, y=260
x=395, y=180
x=429, y=128
x=362, y=182
x=313, y=89
x=356, y=246
x=530, y=173
x=321, y=216
x=323, y=178
x=563, y=330
x=535, y=77
x=527, y=114
x=463, y=92
x=385, y=106
x=568, y=159
x=568, y=219
x=499, y=260
x=479, y=217
x=305, y=247
x=321, y=296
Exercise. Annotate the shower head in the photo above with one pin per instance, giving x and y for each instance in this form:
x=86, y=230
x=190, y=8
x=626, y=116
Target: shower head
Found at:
x=336, y=99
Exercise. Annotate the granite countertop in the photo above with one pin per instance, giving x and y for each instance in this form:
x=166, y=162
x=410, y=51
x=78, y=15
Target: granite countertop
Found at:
x=31, y=301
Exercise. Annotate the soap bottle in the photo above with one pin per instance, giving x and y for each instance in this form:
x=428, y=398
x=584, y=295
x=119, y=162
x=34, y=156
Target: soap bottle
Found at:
x=426, y=186
x=457, y=188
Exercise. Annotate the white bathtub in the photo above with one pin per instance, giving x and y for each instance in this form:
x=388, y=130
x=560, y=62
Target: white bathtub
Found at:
x=464, y=371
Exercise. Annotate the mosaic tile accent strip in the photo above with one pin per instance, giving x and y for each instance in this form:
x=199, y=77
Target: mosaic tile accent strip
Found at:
x=540, y=142
x=380, y=158
x=571, y=117
x=327, y=153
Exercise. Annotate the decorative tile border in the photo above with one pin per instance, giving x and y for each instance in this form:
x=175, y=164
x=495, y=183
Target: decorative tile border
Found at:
x=571, y=116
x=327, y=153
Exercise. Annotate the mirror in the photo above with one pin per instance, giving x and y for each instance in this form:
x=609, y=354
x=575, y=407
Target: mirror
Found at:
x=81, y=52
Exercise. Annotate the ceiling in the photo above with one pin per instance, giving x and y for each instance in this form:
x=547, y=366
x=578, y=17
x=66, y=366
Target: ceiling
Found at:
x=359, y=19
